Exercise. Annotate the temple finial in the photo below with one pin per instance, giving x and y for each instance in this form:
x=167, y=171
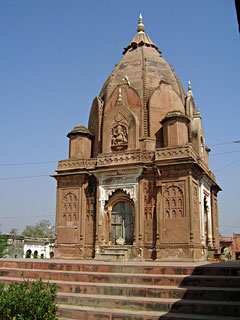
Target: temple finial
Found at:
x=120, y=94
x=140, y=24
x=189, y=93
x=189, y=86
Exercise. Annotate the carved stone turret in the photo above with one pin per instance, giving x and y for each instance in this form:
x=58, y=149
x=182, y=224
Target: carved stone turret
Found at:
x=80, y=142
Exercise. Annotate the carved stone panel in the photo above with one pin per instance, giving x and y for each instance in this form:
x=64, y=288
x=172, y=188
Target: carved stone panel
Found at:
x=149, y=195
x=90, y=221
x=173, y=202
x=176, y=225
x=196, y=217
x=119, y=136
x=69, y=206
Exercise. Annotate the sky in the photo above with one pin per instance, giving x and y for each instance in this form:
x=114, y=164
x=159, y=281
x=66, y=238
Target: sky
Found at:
x=54, y=58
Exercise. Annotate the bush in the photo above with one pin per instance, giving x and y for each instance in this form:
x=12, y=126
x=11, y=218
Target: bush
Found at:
x=3, y=245
x=28, y=300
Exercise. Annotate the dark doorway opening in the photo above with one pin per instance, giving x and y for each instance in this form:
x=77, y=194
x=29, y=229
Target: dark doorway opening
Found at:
x=122, y=223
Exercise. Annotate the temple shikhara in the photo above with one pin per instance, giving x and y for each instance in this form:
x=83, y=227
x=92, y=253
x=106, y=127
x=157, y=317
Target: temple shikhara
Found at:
x=137, y=184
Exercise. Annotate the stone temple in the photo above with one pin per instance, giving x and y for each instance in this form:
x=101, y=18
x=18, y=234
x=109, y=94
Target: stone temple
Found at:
x=137, y=184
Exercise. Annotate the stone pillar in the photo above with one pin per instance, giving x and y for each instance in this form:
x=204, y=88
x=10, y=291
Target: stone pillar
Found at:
x=201, y=209
x=213, y=220
x=140, y=214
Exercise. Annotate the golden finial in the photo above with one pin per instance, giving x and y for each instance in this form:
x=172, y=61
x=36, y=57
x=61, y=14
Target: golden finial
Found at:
x=189, y=86
x=140, y=24
x=120, y=94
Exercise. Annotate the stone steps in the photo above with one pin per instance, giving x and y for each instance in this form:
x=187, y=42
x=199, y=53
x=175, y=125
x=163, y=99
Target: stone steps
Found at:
x=91, y=313
x=134, y=290
x=152, y=304
x=101, y=290
x=215, y=269
x=111, y=277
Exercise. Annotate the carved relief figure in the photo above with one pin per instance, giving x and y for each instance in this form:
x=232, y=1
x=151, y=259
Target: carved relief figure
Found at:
x=119, y=135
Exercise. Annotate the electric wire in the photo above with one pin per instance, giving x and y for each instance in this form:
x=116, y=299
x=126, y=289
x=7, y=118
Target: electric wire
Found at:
x=26, y=177
x=25, y=163
x=55, y=161
x=227, y=152
x=16, y=217
x=230, y=227
x=228, y=165
x=219, y=144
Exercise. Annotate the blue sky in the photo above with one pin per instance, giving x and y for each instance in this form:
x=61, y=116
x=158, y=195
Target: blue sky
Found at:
x=54, y=58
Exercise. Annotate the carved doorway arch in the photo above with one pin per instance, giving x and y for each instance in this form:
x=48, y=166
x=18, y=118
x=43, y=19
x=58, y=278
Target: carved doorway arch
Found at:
x=122, y=221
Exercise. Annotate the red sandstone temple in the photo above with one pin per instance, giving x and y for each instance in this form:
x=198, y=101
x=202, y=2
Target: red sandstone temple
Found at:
x=137, y=184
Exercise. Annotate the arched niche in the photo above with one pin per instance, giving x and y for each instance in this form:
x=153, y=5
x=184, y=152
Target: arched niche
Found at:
x=162, y=100
x=94, y=124
x=120, y=129
x=129, y=96
x=190, y=106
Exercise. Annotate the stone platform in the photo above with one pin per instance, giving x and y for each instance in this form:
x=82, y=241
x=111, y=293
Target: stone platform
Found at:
x=137, y=290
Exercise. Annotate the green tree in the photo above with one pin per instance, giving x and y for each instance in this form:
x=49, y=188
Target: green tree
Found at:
x=3, y=245
x=13, y=232
x=42, y=229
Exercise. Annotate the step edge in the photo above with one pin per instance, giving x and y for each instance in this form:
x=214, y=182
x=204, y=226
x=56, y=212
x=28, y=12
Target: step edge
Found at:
x=148, y=275
x=147, y=299
x=143, y=313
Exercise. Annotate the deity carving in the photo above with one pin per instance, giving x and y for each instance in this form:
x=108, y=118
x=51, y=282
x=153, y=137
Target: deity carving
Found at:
x=119, y=137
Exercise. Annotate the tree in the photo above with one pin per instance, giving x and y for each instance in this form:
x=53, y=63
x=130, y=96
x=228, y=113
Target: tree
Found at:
x=3, y=245
x=13, y=232
x=42, y=229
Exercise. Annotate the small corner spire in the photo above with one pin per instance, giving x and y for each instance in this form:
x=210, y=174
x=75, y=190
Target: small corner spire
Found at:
x=141, y=27
x=189, y=93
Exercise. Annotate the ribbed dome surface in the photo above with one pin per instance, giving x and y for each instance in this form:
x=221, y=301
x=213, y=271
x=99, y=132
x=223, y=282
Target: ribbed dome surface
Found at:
x=144, y=67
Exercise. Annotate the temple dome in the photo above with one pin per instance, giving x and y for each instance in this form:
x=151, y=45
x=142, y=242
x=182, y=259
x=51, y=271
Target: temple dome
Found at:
x=145, y=68
x=149, y=90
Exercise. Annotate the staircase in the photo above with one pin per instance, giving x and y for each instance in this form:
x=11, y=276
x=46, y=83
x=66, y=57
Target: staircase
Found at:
x=138, y=290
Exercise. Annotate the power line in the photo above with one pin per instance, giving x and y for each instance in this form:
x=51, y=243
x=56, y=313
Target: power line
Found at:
x=228, y=165
x=219, y=144
x=55, y=161
x=15, y=217
x=25, y=163
x=235, y=224
x=218, y=154
x=26, y=177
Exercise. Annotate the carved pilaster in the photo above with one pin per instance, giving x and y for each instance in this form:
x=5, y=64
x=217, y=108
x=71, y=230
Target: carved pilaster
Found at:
x=191, y=216
x=159, y=210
